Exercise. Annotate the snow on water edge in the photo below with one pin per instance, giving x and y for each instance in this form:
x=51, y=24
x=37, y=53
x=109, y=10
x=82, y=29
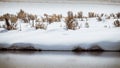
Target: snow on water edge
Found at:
x=108, y=39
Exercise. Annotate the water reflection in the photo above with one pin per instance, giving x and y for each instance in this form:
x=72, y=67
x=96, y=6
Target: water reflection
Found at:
x=52, y=59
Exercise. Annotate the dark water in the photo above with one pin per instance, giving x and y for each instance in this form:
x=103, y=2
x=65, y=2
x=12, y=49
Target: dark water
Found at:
x=51, y=59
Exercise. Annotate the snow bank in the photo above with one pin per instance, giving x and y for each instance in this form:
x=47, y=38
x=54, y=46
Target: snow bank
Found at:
x=56, y=37
x=106, y=38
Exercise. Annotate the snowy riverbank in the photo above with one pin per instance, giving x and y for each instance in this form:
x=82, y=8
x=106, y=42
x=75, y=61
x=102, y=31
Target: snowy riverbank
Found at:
x=60, y=39
x=103, y=34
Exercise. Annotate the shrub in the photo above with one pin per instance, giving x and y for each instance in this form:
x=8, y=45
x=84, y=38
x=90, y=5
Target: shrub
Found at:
x=99, y=19
x=1, y=18
x=33, y=18
x=112, y=15
x=23, y=48
x=108, y=17
x=91, y=14
x=71, y=23
x=7, y=16
x=78, y=49
x=3, y=49
x=118, y=15
x=25, y=20
x=117, y=23
x=13, y=19
x=21, y=14
x=70, y=15
x=80, y=15
x=8, y=26
x=50, y=20
x=95, y=48
x=59, y=17
x=75, y=16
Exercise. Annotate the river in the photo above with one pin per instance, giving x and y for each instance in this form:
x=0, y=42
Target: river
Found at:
x=53, y=59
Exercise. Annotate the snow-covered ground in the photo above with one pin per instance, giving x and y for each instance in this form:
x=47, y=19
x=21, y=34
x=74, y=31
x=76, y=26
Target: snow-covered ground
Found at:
x=56, y=37
x=58, y=8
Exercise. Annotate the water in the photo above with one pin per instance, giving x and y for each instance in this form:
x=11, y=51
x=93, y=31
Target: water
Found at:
x=51, y=59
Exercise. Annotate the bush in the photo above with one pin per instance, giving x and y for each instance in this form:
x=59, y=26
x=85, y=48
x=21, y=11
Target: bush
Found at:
x=1, y=18
x=8, y=26
x=22, y=48
x=50, y=20
x=108, y=17
x=13, y=20
x=112, y=15
x=78, y=49
x=21, y=14
x=71, y=23
x=118, y=15
x=59, y=17
x=99, y=19
x=95, y=48
x=117, y=23
x=91, y=14
x=7, y=16
x=25, y=20
x=70, y=15
x=80, y=15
